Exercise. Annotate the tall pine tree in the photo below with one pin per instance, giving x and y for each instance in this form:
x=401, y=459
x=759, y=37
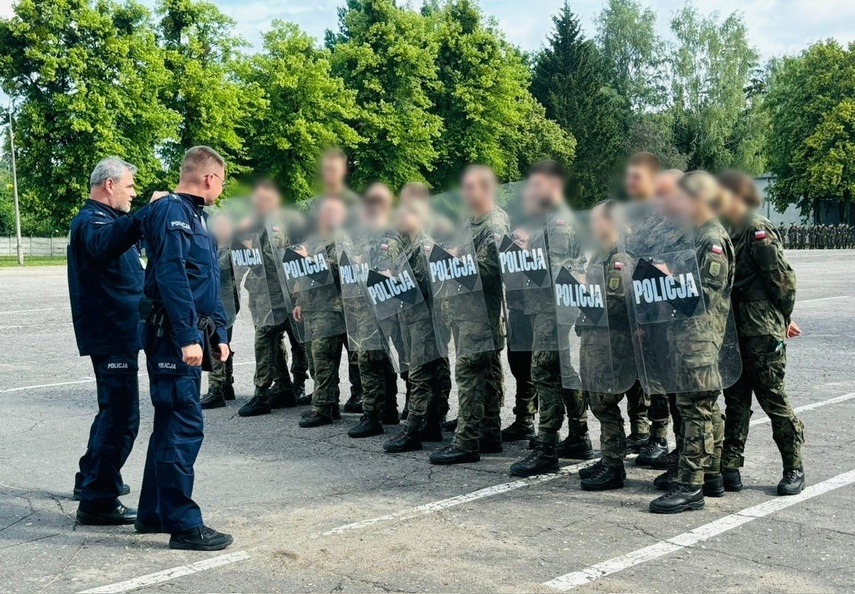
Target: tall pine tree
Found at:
x=570, y=80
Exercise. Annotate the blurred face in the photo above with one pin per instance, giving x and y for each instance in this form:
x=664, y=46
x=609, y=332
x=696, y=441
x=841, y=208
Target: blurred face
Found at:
x=330, y=215
x=735, y=209
x=333, y=172
x=602, y=227
x=377, y=205
x=478, y=191
x=666, y=185
x=407, y=219
x=414, y=192
x=638, y=182
x=121, y=192
x=222, y=230
x=546, y=190
x=265, y=200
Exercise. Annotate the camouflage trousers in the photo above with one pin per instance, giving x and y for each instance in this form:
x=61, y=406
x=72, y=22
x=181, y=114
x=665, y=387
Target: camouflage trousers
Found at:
x=326, y=358
x=637, y=407
x=525, y=399
x=271, y=358
x=353, y=375
x=555, y=400
x=430, y=385
x=703, y=434
x=612, y=434
x=663, y=410
x=763, y=368
x=299, y=358
x=479, y=385
x=222, y=372
x=379, y=382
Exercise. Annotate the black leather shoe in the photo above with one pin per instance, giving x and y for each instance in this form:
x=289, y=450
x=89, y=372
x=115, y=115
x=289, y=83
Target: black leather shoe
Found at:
x=257, y=406
x=368, y=426
x=200, y=539
x=543, y=460
x=490, y=447
x=142, y=528
x=606, y=478
x=118, y=516
x=590, y=471
x=430, y=431
x=229, y=392
x=304, y=400
x=315, y=419
x=450, y=426
x=732, y=479
x=390, y=416
x=281, y=397
x=665, y=481
x=77, y=494
x=453, y=455
x=792, y=483
x=215, y=398
x=353, y=405
x=517, y=431
x=576, y=448
x=713, y=485
x=679, y=499
x=636, y=441
x=665, y=462
x=407, y=440
x=655, y=448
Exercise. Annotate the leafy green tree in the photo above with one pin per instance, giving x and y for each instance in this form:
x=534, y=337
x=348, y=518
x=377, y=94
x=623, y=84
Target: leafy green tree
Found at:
x=302, y=109
x=387, y=56
x=570, y=81
x=811, y=140
x=86, y=79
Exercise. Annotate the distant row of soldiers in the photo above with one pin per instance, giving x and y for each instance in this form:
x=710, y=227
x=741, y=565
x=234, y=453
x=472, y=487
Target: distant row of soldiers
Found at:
x=817, y=237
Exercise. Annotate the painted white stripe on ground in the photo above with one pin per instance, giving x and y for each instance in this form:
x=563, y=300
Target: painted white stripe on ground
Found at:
x=36, y=387
x=20, y=311
x=169, y=574
x=573, y=580
x=822, y=299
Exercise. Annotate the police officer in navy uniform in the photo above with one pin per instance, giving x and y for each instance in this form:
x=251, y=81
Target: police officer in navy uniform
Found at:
x=105, y=284
x=184, y=326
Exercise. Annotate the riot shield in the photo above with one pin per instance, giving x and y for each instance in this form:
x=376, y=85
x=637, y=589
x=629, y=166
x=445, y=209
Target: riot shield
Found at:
x=222, y=228
x=363, y=332
x=594, y=338
x=461, y=321
x=683, y=329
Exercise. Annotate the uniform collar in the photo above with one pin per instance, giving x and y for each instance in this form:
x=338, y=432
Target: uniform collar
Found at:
x=194, y=200
x=105, y=208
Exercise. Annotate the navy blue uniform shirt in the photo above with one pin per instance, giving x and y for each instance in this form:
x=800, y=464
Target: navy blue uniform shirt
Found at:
x=105, y=279
x=183, y=272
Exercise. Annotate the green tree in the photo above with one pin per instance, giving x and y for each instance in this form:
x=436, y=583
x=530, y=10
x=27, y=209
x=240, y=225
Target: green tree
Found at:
x=302, y=109
x=387, y=56
x=811, y=140
x=86, y=79
x=570, y=81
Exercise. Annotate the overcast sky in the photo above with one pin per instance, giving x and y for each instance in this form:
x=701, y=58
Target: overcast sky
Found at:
x=775, y=26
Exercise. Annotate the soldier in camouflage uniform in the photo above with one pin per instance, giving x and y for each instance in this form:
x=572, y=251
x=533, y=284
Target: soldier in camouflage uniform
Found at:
x=792, y=236
x=782, y=230
x=546, y=183
x=478, y=373
x=697, y=342
x=764, y=294
x=802, y=236
x=379, y=380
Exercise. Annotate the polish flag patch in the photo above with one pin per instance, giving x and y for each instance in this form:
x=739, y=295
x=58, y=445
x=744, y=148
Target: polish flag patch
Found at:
x=716, y=249
x=759, y=234
x=618, y=265
x=384, y=247
x=559, y=222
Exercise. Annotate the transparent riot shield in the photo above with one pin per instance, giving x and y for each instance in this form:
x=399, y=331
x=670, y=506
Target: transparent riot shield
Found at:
x=678, y=297
x=461, y=321
x=222, y=228
x=363, y=332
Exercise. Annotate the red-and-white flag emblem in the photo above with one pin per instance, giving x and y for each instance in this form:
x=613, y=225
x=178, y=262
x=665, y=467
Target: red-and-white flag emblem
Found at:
x=618, y=265
x=760, y=234
x=716, y=249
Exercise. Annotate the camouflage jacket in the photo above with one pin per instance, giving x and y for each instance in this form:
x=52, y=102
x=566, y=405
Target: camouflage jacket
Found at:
x=411, y=250
x=764, y=288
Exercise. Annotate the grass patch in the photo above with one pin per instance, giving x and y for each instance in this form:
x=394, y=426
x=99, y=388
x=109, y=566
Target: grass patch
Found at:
x=6, y=261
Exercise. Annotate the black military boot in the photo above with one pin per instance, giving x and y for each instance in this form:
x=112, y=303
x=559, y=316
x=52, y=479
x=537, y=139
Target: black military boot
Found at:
x=353, y=404
x=732, y=479
x=665, y=481
x=116, y=516
x=257, y=406
x=665, y=462
x=543, y=460
x=390, y=415
x=450, y=426
x=229, y=391
x=453, y=455
x=431, y=430
x=679, y=499
x=518, y=431
x=713, y=485
x=315, y=419
x=606, y=478
x=407, y=440
x=792, y=483
x=590, y=471
x=576, y=447
x=304, y=399
x=656, y=447
x=299, y=391
x=368, y=426
x=281, y=396
x=214, y=398
x=636, y=441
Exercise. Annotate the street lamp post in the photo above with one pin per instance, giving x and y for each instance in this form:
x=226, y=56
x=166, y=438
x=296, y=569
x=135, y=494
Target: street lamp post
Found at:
x=20, y=246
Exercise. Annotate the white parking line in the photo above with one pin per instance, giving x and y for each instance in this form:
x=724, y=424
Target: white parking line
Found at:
x=20, y=311
x=573, y=580
x=822, y=299
x=169, y=574
x=22, y=388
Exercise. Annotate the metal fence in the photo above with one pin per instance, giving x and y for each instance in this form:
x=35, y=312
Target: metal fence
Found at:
x=34, y=246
